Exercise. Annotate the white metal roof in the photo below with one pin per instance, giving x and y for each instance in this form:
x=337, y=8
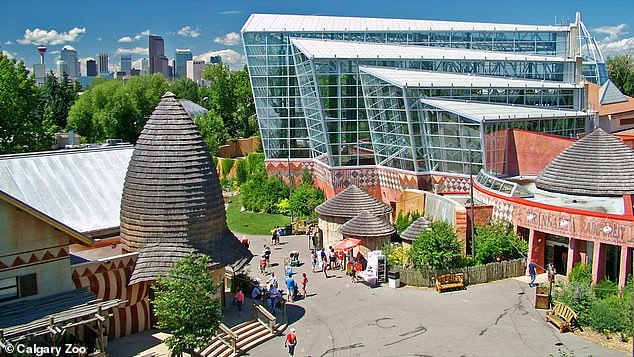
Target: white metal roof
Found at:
x=79, y=188
x=414, y=78
x=479, y=111
x=318, y=48
x=307, y=23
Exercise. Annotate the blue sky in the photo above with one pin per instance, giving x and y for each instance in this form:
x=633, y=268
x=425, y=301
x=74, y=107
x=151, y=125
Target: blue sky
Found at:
x=116, y=27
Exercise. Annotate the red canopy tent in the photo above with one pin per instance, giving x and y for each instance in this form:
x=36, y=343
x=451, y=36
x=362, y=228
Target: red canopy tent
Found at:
x=347, y=244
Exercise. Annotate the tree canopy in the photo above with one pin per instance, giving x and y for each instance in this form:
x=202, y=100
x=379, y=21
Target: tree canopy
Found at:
x=186, y=304
x=22, y=124
x=621, y=72
x=497, y=241
x=436, y=248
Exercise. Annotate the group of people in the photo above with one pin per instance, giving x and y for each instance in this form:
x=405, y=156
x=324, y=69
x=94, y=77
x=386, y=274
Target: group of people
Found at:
x=275, y=235
x=330, y=259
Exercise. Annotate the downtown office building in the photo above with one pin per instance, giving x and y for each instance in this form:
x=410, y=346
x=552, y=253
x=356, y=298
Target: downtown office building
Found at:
x=391, y=104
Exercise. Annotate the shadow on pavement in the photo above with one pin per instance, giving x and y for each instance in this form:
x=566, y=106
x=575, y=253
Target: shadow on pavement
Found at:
x=294, y=313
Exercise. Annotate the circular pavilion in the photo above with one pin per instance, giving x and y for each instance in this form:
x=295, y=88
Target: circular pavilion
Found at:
x=414, y=230
x=597, y=165
x=172, y=200
x=344, y=206
x=373, y=231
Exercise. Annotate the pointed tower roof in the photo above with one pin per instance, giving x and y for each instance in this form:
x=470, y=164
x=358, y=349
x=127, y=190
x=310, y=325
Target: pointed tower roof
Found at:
x=415, y=229
x=352, y=201
x=609, y=93
x=366, y=225
x=597, y=165
x=172, y=200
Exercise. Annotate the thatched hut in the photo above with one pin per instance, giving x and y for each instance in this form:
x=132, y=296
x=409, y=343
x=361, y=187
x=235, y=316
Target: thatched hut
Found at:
x=412, y=232
x=172, y=200
x=344, y=206
x=373, y=231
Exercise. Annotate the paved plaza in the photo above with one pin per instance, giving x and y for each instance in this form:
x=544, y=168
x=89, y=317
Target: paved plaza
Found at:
x=343, y=319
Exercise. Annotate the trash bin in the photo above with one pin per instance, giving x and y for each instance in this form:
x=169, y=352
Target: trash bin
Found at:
x=394, y=279
x=281, y=231
x=288, y=229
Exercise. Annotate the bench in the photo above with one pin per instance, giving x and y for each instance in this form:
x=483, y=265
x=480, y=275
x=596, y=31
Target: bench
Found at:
x=449, y=281
x=561, y=316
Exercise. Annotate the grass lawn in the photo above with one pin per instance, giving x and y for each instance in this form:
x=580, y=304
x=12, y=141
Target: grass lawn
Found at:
x=251, y=222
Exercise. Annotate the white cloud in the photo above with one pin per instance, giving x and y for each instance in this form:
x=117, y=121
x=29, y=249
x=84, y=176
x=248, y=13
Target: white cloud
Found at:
x=7, y=54
x=230, y=39
x=98, y=39
x=132, y=51
x=8, y=43
x=189, y=31
x=113, y=67
x=137, y=63
x=54, y=52
x=142, y=34
x=52, y=37
x=231, y=12
x=230, y=57
x=612, y=32
x=125, y=39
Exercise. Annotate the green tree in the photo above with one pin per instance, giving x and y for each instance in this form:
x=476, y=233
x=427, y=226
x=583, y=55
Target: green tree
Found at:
x=111, y=109
x=212, y=129
x=186, y=306
x=245, y=105
x=185, y=88
x=497, y=241
x=621, y=72
x=304, y=200
x=22, y=126
x=58, y=96
x=436, y=248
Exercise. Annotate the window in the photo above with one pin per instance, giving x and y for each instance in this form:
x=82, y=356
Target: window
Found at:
x=17, y=287
x=627, y=121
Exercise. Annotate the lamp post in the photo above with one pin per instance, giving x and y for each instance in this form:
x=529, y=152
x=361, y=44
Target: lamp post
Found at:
x=472, y=204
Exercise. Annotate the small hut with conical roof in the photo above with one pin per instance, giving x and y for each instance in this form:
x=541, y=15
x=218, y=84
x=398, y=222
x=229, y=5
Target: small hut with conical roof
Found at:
x=344, y=206
x=414, y=230
x=373, y=231
x=172, y=200
x=597, y=165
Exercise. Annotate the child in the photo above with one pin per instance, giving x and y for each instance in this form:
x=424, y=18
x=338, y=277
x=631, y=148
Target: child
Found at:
x=262, y=264
x=313, y=258
x=304, y=282
x=239, y=299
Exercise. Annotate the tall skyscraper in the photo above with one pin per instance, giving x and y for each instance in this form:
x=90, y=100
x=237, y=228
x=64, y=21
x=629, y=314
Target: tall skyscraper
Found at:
x=71, y=63
x=62, y=67
x=145, y=66
x=182, y=56
x=102, y=62
x=172, y=68
x=91, y=68
x=156, y=47
x=195, y=70
x=164, y=66
x=126, y=63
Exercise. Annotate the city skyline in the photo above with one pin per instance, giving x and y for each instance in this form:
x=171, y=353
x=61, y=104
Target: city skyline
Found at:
x=213, y=28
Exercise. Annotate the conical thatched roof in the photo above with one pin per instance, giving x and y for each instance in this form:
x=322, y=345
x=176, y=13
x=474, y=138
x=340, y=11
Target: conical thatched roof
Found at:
x=351, y=202
x=366, y=225
x=597, y=165
x=415, y=229
x=172, y=200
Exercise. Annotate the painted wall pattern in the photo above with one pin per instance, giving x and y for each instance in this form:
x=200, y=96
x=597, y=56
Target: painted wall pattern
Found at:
x=108, y=279
x=32, y=258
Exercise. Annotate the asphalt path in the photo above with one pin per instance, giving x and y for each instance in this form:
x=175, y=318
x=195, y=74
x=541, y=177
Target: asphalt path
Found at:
x=339, y=318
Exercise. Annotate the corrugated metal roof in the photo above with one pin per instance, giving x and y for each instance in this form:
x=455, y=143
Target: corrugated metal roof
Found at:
x=79, y=188
x=306, y=23
x=487, y=111
x=317, y=48
x=414, y=78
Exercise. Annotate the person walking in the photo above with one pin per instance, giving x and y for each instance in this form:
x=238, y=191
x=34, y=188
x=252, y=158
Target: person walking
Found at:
x=290, y=286
x=532, y=272
x=304, y=283
x=291, y=342
x=267, y=254
x=324, y=267
x=263, y=264
x=332, y=258
x=239, y=299
x=272, y=280
x=273, y=294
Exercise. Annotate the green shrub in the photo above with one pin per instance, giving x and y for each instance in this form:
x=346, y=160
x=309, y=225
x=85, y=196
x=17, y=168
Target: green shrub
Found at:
x=256, y=163
x=262, y=194
x=578, y=297
x=227, y=165
x=215, y=159
x=405, y=220
x=497, y=242
x=611, y=314
x=242, y=171
x=605, y=289
x=437, y=248
x=282, y=206
x=581, y=274
x=307, y=177
x=304, y=200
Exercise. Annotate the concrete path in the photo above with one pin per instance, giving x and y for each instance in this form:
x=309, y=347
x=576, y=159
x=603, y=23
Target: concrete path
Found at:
x=343, y=319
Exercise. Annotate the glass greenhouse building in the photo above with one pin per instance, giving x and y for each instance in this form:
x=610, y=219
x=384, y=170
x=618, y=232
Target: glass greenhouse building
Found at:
x=415, y=97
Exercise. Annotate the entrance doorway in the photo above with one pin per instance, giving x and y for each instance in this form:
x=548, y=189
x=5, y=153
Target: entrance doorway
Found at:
x=557, y=253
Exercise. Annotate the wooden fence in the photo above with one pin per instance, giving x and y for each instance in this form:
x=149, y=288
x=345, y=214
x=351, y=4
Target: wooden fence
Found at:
x=472, y=275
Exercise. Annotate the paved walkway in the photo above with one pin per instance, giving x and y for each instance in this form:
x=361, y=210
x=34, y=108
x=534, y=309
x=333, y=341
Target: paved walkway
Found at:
x=343, y=319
